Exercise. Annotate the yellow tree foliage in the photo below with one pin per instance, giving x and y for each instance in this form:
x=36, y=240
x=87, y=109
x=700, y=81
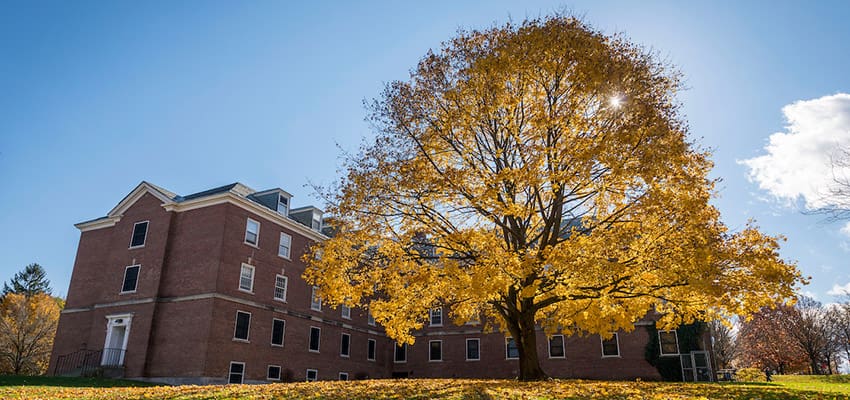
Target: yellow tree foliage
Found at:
x=538, y=175
x=27, y=327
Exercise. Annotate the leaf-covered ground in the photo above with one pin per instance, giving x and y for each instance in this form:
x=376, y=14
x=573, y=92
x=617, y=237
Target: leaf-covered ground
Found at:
x=430, y=389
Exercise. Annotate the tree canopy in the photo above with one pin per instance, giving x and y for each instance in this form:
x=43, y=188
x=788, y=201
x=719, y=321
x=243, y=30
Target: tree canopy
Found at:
x=538, y=174
x=30, y=281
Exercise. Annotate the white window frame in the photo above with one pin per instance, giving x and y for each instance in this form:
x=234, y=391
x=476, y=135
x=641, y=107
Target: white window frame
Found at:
x=429, y=350
x=616, y=338
x=661, y=348
x=230, y=372
x=315, y=299
x=282, y=334
x=318, y=341
x=138, y=274
x=236, y=325
x=345, y=311
x=395, y=353
x=288, y=247
x=374, y=344
x=276, y=287
x=370, y=320
x=147, y=227
x=279, y=370
x=253, y=273
x=343, y=376
x=466, y=349
x=247, y=229
x=285, y=205
x=341, y=341
x=315, y=375
x=563, y=346
x=438, y=312
x=507, y=353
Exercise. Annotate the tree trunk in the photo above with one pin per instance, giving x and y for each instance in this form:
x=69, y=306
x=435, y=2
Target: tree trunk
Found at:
x=526, y=341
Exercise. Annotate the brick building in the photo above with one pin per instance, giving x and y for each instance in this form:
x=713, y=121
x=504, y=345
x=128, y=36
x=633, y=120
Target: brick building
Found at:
x=207, y=288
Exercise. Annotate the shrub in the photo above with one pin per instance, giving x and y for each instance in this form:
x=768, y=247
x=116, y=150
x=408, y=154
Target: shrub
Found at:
x=750, y=375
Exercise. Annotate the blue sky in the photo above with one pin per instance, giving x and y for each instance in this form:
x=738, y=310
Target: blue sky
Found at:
x=189, y=95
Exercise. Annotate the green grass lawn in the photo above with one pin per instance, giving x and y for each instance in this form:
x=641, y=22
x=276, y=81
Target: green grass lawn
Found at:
x=784, y=388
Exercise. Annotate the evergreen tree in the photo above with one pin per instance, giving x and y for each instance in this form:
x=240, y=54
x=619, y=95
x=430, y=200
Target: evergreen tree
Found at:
x=32, y=280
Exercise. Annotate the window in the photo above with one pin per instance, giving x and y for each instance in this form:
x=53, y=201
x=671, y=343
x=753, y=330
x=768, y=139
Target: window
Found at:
x=237, y=372
x=317, y=222
x=435, y=350
x=315, y=336
x=345, y=345
x=611, y=347
x=252, y=232
x=669, y=343
x=312, y=375
x=280, y=283
x=243, y=323
x=436, y=317
x=315, y=300
x=511, y=351
x=343, y=376
x=282, y=205
x=346, y=311
x=246, y=278
x=370, y=319
x=401, y=353
x=370, y=350
x=556, y=346
x=274, y=373
x=131, y=279
x=278, y=329
x=140, y=233
x=284, y=245
x=473, y=349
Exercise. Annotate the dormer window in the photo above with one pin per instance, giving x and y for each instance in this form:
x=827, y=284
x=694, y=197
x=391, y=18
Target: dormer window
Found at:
x=282, y=205
x=317, y=221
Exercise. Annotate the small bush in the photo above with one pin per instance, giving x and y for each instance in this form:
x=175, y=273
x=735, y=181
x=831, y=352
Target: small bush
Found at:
x=750, y=375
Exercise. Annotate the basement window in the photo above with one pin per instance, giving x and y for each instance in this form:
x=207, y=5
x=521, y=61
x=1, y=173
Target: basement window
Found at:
x=274, y=373
x=237, y=372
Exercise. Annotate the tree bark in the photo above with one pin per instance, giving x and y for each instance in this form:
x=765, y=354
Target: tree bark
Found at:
x=526, y=341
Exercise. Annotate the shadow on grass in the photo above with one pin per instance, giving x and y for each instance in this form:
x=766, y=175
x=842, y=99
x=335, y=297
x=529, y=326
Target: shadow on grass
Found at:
x=14, y=380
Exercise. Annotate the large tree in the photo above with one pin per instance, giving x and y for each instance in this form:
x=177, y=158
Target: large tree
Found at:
x=764, y=341
x=538, y=175
x=30, y=281
x=27, y=327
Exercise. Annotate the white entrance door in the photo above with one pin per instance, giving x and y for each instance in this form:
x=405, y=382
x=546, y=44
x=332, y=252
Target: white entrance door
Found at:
x=117, y=334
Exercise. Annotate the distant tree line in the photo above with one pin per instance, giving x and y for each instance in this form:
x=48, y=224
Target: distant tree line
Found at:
x=28, y=317
x=808, y=337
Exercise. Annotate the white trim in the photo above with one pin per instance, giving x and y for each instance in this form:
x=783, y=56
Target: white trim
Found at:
x=507, y=353
x=395, y=353
x=374, y=349
x=315, y=299
x=341, y=341
x=661, y=347
x=253, y=272
x=230, y=372
x=112, y=321
x=247, y=225
x=268, y=378
x=429, y=350
x=466, y=349
x=370, y=320
x=616, y=338
x=288, y=248
x=318, y=341
x=345, y=311
x=563, y=347
x=137, y=194
x=247, y=205
x=341, y=374
x=282, y=334
x=136, y=287
x=315, y=373
x=133, y=234
x=236, y=325
x=285, y=288
x=431, y=313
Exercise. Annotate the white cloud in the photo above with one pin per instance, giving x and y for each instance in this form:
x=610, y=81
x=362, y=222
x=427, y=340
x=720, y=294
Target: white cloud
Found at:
x=798, y=162
x=846, y=229
x=839, y=290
